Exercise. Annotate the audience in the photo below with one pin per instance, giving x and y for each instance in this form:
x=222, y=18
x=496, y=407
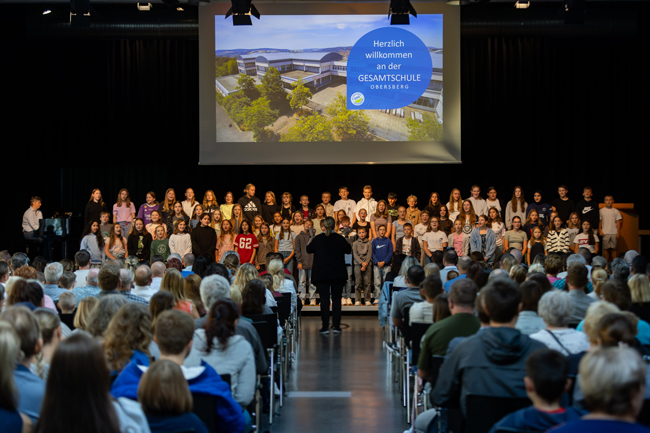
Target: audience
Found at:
x=51, y=336
x=11, y=419
x=157, y=272
x=556, y=309
x=254, y=298
x=228, y=353
x=173, y=282
x=576, y=281
x=462, y=265
x=142, y=280
x=422, y=312
x=407, y=297
x=492, y=362
x=67, y=306
x=53, y=273
x=101, y=315
x=192, y=291
x=640, y=291
x=89, y=289
x=160, y=302
x=84, y=310
x=128, y=337
x=546, y=380
x=449, y=259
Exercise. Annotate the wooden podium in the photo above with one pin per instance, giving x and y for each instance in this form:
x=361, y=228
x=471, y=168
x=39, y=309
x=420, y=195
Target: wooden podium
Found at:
x=629, y=236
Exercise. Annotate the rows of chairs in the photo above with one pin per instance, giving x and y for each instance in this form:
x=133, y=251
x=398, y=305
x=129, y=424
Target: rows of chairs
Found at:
x=279, y=350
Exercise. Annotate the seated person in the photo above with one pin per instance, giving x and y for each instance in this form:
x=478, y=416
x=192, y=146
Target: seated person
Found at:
x=462, y=323
x=408, y=296
x=556, y=308
x=173, y=334
x=166, y=400
x=613, y=380
x=422, y=312
x=67, y=305
x=492, y=362
x=546, y=380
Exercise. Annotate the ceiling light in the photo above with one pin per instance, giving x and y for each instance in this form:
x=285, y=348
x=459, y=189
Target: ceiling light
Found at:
x=522, y=5
x=144, y=6
x=47, y=11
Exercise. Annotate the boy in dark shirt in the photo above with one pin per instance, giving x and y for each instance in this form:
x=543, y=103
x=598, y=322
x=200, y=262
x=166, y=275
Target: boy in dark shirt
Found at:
x=392, y=205
x=546, y=380
x=587, y=208
x=563, y=205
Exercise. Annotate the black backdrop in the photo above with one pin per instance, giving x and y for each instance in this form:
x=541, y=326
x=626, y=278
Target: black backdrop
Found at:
x=543, y=103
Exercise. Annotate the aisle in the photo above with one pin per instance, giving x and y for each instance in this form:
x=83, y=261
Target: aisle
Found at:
x=341, y=383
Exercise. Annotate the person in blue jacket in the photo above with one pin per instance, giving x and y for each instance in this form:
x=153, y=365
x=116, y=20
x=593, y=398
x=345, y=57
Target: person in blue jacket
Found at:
x=174, y=332
x=382, y=254
x=483, y=240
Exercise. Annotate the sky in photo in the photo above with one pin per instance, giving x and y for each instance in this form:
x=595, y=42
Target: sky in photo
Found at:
x=296, y=32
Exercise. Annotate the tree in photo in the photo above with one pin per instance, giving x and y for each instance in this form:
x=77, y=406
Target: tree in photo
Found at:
x=428, y=130
x=246, y=84
x=271, y=88
x=348, y=125
x=258, y=115
x=226, y=66
x=311, y=128
x=299, y=96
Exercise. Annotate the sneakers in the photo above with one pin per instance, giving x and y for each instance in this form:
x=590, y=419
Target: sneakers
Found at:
x=375, y=302
x=304, y=302
x=358, y=304
x=348, y=301
x=336, y=330
x=368, y=304
x=312, y=302
x=324, y=331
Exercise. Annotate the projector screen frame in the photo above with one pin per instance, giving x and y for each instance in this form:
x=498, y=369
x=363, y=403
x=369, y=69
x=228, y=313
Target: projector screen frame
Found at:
x=286, y=153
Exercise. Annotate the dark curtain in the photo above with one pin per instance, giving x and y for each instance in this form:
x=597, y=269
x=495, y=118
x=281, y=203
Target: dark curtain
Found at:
x=537, y=111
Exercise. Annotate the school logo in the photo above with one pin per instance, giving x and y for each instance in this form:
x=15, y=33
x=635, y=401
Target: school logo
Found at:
x=357, y=98
x=161, y=249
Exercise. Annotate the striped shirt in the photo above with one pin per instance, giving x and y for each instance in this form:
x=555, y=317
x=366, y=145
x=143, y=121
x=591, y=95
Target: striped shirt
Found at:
x=558, y=242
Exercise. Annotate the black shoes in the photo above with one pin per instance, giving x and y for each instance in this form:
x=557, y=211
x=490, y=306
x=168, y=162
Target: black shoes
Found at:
x=324, y=330
x=336, y=330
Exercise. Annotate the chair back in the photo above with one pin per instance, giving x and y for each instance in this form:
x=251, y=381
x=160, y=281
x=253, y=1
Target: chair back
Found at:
x=417, y=332
x=483, y=411
x=226, y=378
x=436, y=363
x=266, y=327
x=284, y=308
x=644, y=415
x=205, y=407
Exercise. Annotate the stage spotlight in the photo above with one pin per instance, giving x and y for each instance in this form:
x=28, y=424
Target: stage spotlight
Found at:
x=144, y=7
x=80, y=13
x=399, y=11
x=241, y=12
x=47, y=11
x=522, y=5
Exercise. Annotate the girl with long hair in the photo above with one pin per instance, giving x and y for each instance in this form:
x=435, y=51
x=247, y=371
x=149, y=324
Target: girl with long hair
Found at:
x=190, y=202
x=246, y=244
x=204, y=239
x=285, y=243
x=180, y=242
x=12, y=420
x=94, y=207
x=128, y=337
x=557, y=240
x=85, y=404
x=226, y=239
x=433, y=207
x=210, y=202
x=193, y=292
x=168, y=204
x=237, y=218
x=123, y=210
x=516, y=238
x=116, y=247
x=269, y=207
x=381, y=217
x=573, y=227
x=458, y=240
x=156, y=221
x=455, y=204
x=531, y=222
x=446, y=225
x=434, y=239
x=84, y=309
x=159, y=302
x=266, y=242
x=479, y=205
x=139, y=241
x=160, y=245
x=196, y=216
x=178, y=214
x=93, y=242
x=296, y=223
x=174, y=283
x=281, y=284
x=492, y=201
x=226, y=208
x=499, y=229
x=276, y=225
x=257, y=224
x=586, y=239
x=246, y=273
x=319, y=215
x=516, y=207
x=147, y=207
x=536, y=245
x=467, y=217
x=216, y=222
x=286, y=208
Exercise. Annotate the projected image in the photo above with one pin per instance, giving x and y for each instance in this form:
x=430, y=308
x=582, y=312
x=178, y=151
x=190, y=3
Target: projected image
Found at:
x=286, y=79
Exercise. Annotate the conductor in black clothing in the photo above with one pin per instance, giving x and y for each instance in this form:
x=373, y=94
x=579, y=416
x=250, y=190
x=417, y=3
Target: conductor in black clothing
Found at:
x=328, y=272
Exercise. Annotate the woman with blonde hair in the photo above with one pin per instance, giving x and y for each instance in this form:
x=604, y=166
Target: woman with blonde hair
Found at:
x=598, y=278
x=244, y=274
x=640, y=291
x=84, y=309
x=128, y=337
x=281, y=284
x=51, y=335
x=173, y=282
x=167, y=207
x=12, y=420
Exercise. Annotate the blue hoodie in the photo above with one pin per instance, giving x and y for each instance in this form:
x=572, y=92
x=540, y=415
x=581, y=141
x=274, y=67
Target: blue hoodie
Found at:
x=537, y=420
x=201, y=380
x=382, y=250
x=543, y=209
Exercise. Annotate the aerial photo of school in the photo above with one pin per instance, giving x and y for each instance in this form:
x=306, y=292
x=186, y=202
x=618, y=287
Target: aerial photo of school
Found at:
x=279, y=85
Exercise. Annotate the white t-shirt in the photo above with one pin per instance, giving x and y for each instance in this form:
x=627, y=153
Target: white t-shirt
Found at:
x=480, y=207
x=346, y=205
x=418, y=231
x=80, y=280
x=406, y=246
x=499, y=230
x=496, y=204
x=609, y=218
x=582, y=240
x=453, y=214
x=284, y=243
x=369, y=205
x=435, y=240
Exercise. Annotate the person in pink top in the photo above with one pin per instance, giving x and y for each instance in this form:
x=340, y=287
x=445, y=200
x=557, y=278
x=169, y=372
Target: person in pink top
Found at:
x=124, y=210
x=246, y=244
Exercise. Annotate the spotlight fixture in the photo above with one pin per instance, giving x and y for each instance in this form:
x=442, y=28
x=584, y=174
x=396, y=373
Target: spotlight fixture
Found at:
x=399, y=11
x=241, y=12
x=522, y=5
x=144, y=7
x=47, y=11
x=80, y=13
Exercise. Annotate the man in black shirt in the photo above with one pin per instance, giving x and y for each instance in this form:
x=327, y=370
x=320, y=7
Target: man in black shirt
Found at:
x=563, y=205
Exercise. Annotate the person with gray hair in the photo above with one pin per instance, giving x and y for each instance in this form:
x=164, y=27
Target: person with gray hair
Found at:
x=103, y=313
x=556, y=308
x=18, y=260
x=91, y=289
x=629, y=256
x=53, y=273
x=573, y=258
x=214, y=288
x=142, y=281
x=188, y=261
x=599, y=261
x=462, y=265
x=620, y=269
x=613, y=380
x=158, y=270
x=126, y=279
